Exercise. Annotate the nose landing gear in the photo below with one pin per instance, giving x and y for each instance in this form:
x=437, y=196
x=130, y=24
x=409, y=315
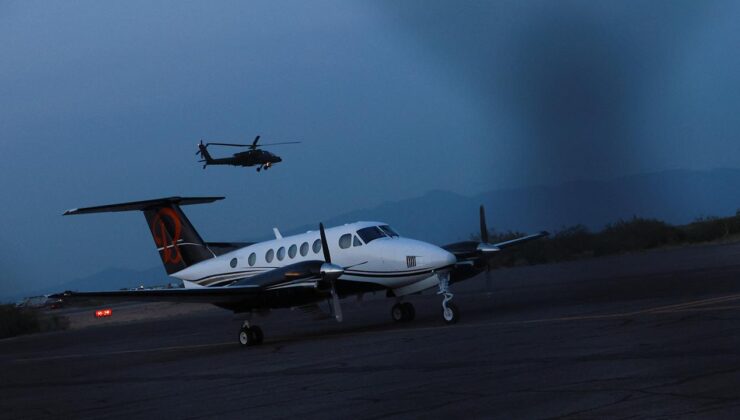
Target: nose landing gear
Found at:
x=450, y=312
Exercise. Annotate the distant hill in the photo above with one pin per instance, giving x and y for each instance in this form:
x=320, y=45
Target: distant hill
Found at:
x=677, y=197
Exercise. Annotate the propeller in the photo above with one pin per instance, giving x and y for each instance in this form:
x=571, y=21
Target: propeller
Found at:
x=330, y=272
x=486, y=248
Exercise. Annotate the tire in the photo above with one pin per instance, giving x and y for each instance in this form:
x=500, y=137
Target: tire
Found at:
x=257, y=334
x=409, y=311
x=451, y=315
x=398, y=313
x=246, y=338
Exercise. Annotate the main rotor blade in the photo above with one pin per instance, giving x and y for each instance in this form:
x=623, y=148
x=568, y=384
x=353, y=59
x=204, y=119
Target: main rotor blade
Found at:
x=324, y=244
x=254, y=143
x=229, y=144
x=275, y=144
x=483, y=227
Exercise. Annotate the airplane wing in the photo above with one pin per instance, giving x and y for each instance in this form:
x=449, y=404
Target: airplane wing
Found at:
x=248, y=291
x=468, y=250
x=200, y=295
x=519, y=241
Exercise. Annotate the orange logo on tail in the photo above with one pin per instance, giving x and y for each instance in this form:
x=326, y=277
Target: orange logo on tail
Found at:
x=170, y=251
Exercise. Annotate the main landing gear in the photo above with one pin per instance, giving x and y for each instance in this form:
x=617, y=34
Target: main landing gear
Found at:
x=450, y=313
x=402, y=312
x=250, y=335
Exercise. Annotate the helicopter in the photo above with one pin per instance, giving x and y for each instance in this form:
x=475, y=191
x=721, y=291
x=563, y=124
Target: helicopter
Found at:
x=255, y=156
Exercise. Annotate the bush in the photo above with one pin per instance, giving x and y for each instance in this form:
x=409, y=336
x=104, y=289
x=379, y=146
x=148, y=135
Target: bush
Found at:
x=16, y=321
x=631, y=235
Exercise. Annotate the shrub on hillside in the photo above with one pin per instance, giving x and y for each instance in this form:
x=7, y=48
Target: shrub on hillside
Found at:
x=16, y=321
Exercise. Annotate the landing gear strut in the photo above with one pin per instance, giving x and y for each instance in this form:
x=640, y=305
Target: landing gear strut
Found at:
x=450, y=313
x=250, y=335
x=402, y=312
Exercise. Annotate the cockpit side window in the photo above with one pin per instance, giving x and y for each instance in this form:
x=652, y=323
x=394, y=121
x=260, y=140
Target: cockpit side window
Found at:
x=389, y=231
x=370, y=234
x=356, y=241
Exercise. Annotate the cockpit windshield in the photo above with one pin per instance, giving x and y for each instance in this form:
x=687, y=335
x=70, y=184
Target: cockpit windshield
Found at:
x=389, y=231
x=372, y=233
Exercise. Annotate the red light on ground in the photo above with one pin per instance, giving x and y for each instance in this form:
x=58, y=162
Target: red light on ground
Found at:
x=100, y=313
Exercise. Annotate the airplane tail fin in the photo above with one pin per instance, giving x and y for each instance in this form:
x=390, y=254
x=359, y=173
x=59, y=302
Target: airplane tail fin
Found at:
x=177, y=241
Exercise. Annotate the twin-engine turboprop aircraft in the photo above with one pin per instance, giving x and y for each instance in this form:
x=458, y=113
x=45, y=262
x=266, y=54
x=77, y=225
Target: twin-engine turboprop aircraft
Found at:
x=300, y=270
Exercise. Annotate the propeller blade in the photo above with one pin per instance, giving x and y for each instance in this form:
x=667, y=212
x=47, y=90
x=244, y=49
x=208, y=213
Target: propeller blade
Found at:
x=488, y=279
x=324, y=244
x=336, y=307
x=483, y=227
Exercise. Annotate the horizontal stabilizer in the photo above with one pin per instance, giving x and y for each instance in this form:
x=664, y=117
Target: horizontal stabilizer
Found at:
x=143, y=205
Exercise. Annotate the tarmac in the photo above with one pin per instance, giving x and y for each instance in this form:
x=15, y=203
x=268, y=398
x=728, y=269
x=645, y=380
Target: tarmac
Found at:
x=653, y=334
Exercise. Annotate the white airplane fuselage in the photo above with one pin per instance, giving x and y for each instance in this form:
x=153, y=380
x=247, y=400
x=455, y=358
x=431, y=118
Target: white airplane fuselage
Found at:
x=383, y=259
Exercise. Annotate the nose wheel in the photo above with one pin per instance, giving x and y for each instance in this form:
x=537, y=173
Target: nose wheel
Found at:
x=250, y=335
x=450, y=312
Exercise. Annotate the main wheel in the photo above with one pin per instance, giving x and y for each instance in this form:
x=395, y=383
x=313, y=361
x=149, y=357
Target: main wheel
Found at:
x=451, y=314
x=257, y=334
x=409, y=311
x=246, y=337
x=398, y=312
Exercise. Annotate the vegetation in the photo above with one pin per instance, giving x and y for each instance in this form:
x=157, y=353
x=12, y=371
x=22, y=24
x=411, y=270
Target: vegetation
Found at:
x=16, y=321
x=624, y=236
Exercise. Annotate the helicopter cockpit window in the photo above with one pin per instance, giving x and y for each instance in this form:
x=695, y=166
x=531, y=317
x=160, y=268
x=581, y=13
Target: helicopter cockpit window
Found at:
x=370, y=234
x=389, y=231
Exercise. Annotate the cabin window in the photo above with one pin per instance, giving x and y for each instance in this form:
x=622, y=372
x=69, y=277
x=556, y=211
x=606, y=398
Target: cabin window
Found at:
x=269, y=255
x=304, y=249
x=345, y=240
x=356, y=241
x=316, y=246
x=292, y=251
x=252, y=259
x=281, y=253
x=233, y=262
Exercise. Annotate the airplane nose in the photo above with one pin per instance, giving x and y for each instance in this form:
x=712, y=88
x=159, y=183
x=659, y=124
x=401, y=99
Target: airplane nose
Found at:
x=443, y=258
x=450, y=258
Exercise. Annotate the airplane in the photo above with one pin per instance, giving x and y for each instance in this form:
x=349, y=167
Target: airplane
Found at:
x=300, y=270
x=253, y=156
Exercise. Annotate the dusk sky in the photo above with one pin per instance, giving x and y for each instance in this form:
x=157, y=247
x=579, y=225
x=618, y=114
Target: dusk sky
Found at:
x=104, y=102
